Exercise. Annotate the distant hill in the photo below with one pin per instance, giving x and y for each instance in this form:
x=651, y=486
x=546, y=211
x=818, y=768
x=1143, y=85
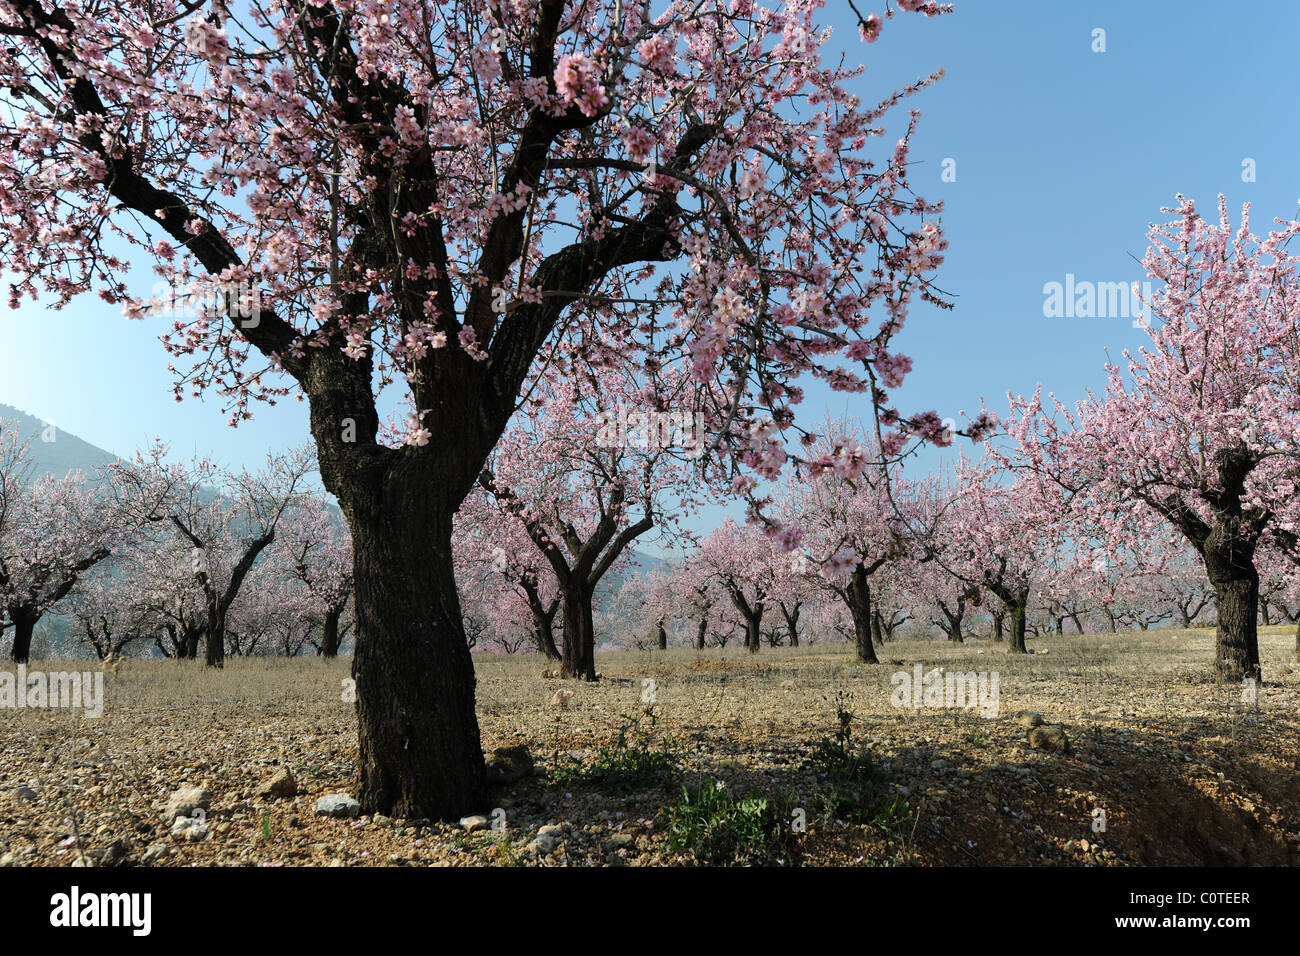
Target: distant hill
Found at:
x=65, y=453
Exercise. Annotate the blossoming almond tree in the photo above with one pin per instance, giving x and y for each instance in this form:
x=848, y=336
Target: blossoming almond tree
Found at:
x=426, y=198
x=1202, y=428
x=225, y=519
x=52, y=530
x=318, y=552
x=584, y=492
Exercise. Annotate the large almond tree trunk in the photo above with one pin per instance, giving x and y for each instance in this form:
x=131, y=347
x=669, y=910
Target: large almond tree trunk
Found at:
x=419, y=751
x=1230, y=566
x=578, y=655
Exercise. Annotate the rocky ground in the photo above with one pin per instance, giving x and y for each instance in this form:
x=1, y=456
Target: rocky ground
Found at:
x=255, y=764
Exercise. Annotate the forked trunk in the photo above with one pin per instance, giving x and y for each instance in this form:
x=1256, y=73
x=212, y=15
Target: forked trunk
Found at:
x=545, y=635
x=419, y=751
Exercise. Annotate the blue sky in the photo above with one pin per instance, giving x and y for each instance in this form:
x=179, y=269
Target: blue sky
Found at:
x=1062, y=157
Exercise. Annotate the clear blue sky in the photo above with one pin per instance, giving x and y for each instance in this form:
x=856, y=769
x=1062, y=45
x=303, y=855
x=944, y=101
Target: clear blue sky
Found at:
x=1062, y=157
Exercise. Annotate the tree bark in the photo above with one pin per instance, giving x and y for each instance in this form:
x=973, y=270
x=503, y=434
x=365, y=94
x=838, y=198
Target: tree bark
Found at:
x=753, y=631
x=329, y=642
x=1018, y=625
x=24, y=624
x=663, y=637
x=1236, y=592
x=858, y=598
x=578, y=657
x=792, y=622
x=701, y=632
x=877, y=635
x=543, y=619
x=997, y=627
x=419, y=750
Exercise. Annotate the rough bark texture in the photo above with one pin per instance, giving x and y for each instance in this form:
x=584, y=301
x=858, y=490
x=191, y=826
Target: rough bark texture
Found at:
x=702, y=630
x=329, y=641
x=23, y=625
x=858, y=598
x=1018, y=625
x=419, y=751
x=1236, y=593
x=578, y=657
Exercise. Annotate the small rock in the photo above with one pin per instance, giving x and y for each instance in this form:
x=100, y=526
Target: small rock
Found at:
x=509, y=764
x=474, y=823
x=282, y=785
x=338, y=805
x=380, y=820
x=561, y=698
x=1028, y=719
x=552, y=830
x=10, y=859
x=185, y=801
x=1049, y=737
x=622, y=839
x=155, y=852
x=24, y=794
x=113, y=854
x=189, y=828
x=543, y=844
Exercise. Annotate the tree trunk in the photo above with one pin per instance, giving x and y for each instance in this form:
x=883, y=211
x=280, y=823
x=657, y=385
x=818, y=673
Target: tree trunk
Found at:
x=329, y=641
x=1231, y=570
x=216, y=638
x=1018, y=624
x=578, y=658
x=701, y=632
x=791, y=623
x=545, y=635
x=877, y=636
x=1263, y=612
x=24, y=623
x=1297, y=638
x=859, y=602
x=997, y=626
x=663, y=637
x=419, y=750
x=753, y=632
